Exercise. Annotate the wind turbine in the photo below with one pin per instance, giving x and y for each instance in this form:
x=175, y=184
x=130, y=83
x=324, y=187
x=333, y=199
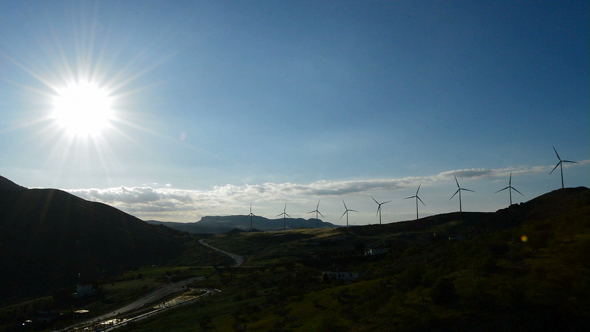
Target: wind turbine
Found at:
x=285, y=215
x=459, y=191
x=417, y=199
x=560, y=164
x=317, y=211
x=378, y=207
x=510, y=188
x=250, y=215
x=346, y=210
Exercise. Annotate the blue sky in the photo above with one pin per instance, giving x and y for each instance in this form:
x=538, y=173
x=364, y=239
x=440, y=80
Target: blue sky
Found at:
x=222, y=104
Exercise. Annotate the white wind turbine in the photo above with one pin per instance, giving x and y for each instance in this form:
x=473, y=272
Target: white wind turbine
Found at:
x=378, y=208
x=459, y=191
x=285, y=215
x=417, y=199
x=510, y=188
x=346, y=210
x=250, y=215
x=317, y=211
x=560, y=164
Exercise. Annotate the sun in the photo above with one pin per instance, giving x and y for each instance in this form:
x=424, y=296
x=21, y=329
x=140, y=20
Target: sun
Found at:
x=83, y=109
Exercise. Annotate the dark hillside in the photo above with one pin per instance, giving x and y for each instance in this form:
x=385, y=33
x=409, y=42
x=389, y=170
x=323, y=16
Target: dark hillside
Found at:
x=48, y=236
x=6, y=184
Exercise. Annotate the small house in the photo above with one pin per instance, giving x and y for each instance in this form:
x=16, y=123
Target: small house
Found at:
x=84, y=290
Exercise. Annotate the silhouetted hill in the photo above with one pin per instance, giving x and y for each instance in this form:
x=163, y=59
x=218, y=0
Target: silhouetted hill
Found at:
x=48, y=236
x=6, y=184
x=224, y=224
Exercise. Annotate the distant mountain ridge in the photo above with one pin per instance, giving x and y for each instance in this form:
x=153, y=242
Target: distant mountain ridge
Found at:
x=223, y=224
x=48, y=237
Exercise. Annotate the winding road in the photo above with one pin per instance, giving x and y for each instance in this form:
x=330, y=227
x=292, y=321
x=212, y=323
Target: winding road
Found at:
x=239, y=259
x=151, y=297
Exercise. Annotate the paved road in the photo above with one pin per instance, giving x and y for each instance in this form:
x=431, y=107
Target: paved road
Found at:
x=239, y=259
x=110, y=325
x=151, y=297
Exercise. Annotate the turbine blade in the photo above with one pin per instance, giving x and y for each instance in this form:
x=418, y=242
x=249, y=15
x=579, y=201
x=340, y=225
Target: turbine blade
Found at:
x=280, y=214
x=345, y=212
x=501, y=189
x=510, y=181
x=557, y=154
x=318, y=206
x=456, y=181
x=467, y=190
x=344, y=205
x=311, y=212
x=410, y=197
x=374, y=199
x=517, y=191
x=418, y=189
x=378, y=209
x=420, y=200
x=353, y=210
x=454, y=194
x=569, y=161
x=287, y=215
x=385, y=202
x=559, y=163
x=321, y=214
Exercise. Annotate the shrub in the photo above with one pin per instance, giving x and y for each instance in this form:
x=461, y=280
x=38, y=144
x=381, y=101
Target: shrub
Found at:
x=443, y=291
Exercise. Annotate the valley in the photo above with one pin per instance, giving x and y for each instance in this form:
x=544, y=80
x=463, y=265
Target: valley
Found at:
x=524, y=267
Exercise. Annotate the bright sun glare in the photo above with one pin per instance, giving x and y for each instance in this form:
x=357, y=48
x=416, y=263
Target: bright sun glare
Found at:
x=83, y=109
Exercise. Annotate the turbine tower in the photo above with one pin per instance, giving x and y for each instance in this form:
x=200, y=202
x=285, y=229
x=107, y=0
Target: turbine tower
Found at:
x=317, y=211
x=510, y=188
x=346, y=210
x=379, y=208
x=285, y=215
x=560, y=164
x=417, y=199
x=250, y=215
x=459, y=191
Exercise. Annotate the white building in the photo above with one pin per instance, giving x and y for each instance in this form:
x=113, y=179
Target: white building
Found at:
x=84, y=290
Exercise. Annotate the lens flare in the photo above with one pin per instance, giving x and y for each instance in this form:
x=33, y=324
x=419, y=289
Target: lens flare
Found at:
x=83, y=108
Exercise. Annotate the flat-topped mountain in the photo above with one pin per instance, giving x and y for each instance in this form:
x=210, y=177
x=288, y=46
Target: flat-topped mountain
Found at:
x=223, y=224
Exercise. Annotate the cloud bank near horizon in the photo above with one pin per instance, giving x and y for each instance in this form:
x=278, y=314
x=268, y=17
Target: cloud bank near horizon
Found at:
x=168, y=203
